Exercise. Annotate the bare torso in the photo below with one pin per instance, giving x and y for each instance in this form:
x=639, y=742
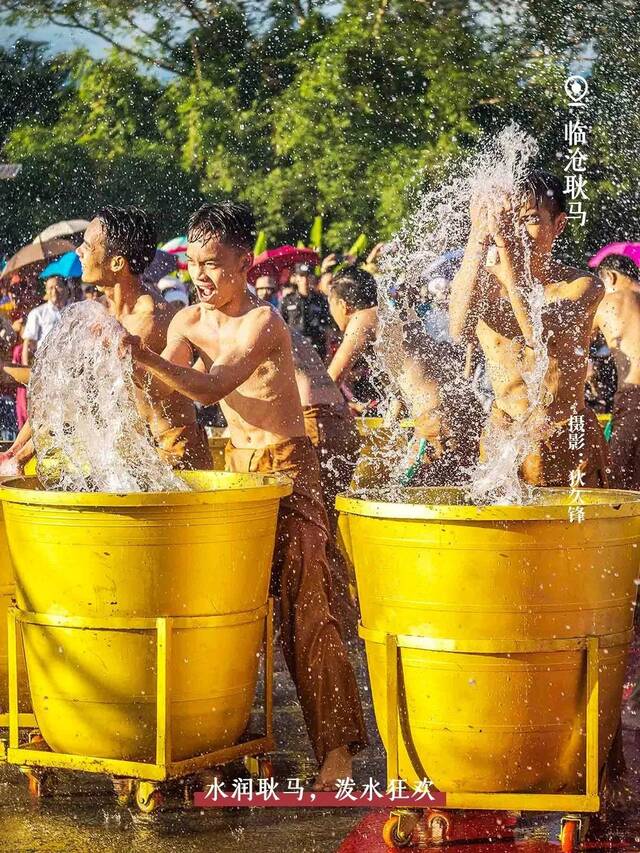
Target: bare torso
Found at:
x=149, y=319
x=264, y=409
x=567, y=327
x=618, y=317
x=315, y=386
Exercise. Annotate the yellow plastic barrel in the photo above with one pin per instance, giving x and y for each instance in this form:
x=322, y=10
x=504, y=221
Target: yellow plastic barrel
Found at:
x=93, y=570
x=7, y=594
x=471, y=582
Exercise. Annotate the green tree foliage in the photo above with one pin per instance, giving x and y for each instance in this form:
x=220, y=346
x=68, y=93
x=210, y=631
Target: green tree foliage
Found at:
x=306, y=108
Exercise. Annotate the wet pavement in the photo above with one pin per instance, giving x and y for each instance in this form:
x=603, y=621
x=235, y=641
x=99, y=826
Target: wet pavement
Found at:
x=81, y=813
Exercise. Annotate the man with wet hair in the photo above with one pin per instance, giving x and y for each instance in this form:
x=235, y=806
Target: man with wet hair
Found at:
x=353, y=302
x=509, y=246
x=118, y=245
x=618, y=318
x=235, y=350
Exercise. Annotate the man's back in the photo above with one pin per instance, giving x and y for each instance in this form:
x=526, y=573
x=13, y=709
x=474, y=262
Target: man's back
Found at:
x=618, y=317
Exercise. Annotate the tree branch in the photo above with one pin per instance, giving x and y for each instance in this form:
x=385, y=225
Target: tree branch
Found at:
x=195, y=13
x=137, y=54
x=162, y=42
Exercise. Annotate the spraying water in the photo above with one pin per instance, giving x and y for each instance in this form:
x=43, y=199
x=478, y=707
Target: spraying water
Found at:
x=87, y=432
x=439, y=227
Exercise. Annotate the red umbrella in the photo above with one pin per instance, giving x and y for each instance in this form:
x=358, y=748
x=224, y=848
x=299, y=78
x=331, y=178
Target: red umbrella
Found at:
x=274, y=261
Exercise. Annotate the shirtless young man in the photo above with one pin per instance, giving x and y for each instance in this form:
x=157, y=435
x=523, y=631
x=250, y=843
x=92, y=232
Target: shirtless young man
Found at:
x=328, y=423
x=353, y=302
x=618, y=318
x=491, y=303
x=119, y=243
x=234, y=349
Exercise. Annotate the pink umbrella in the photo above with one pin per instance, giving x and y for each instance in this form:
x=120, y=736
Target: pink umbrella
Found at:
x=275, y=261
x=631, y=250
x=177, y=247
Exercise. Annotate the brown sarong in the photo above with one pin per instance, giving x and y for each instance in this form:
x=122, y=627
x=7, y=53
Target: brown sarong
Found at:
x=311, y=638
x=624, y=447
x=333, y=432
x=185, y=448
x=555, y=458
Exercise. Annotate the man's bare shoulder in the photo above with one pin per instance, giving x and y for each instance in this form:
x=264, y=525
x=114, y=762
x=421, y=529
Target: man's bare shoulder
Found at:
x=261, y=318
x=576, y=285
x=185, y=317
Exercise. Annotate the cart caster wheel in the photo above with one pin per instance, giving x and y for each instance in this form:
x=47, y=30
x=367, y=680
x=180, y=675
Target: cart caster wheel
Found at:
x=148, y=797
x=124, y=791
x=395, y=835
x=38, y=782
x=569, y=836
x=439, y=827
x=260, y=766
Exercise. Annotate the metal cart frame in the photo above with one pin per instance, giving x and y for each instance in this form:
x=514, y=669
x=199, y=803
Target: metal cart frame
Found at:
x=404, y=821
x=163, y=767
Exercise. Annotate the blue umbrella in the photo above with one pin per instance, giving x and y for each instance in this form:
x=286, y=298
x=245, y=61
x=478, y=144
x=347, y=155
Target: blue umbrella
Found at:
x=67, y=266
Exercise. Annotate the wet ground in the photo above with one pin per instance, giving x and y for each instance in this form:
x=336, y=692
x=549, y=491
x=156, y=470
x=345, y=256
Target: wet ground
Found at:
x=81, y=814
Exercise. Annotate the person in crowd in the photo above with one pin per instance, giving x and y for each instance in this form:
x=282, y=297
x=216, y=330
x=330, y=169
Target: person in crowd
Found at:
x=315, y=306
x=42, y=319
x=118, y=244
x=234, y=349
x=292, y=307
x=90, y=293
x=618, y=319
x=267, y=290
x=16, y=358
x=353, y=301
x=490, y=303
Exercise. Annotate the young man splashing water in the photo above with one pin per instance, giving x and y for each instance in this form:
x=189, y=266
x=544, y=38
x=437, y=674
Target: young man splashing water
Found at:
x=493, y=303
x=118, y=245
x=234, y=349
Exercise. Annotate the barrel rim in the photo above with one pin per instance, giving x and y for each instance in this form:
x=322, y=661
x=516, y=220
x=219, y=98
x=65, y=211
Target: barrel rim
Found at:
x=619, y=504
x=267, y=487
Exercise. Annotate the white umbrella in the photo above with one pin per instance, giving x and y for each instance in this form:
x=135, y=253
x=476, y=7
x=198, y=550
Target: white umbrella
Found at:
x=62, y=229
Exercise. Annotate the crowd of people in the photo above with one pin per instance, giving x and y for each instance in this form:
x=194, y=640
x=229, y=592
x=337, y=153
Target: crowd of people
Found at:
x=289, y=362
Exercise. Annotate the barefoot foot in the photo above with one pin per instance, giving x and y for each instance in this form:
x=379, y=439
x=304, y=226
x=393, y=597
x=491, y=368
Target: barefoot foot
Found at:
x=336, y=765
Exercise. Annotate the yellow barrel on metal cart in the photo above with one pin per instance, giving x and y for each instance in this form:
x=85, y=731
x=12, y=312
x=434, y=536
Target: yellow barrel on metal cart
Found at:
x=7, y=593
x=93, y=572
x=478, y=599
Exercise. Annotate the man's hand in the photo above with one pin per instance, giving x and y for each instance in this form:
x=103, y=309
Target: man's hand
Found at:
x=328, y=263
x=501, y=225
x=372, y=257
x=134, y=345
x=479, y=214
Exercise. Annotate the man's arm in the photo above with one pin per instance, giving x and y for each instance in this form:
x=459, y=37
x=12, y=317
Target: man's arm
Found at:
x=467, y=283
x=260, y=334
x=178, y=350
x=356, y=337
x=30, y=335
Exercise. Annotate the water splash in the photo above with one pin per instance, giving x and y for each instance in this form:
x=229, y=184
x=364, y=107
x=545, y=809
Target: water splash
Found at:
x=439, y=227
x=87, y=432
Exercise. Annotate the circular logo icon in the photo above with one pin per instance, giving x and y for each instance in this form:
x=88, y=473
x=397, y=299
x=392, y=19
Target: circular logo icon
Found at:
x=576, y=87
